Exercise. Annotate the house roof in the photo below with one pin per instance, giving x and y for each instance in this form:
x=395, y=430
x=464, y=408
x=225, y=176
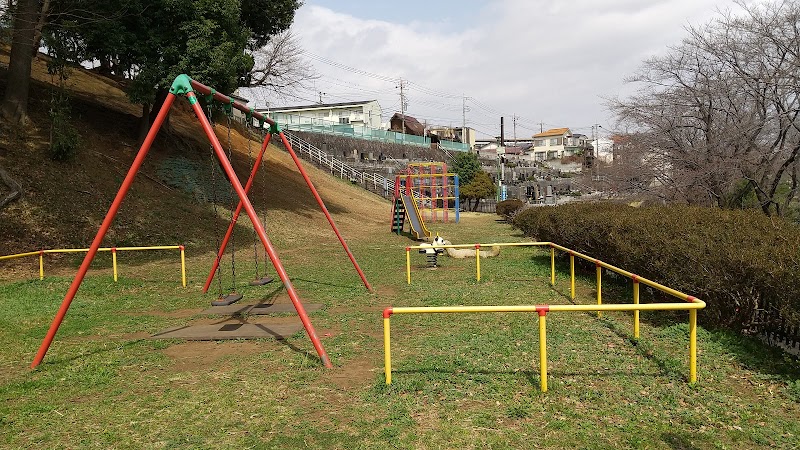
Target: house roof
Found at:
x=552, y=132
x=319, y=106
x=411, y=123
x=514, y=151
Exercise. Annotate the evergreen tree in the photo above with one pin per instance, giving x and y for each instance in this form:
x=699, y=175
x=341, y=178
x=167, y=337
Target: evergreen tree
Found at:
x=481, y=187
x=150, y=42
x=466, y=165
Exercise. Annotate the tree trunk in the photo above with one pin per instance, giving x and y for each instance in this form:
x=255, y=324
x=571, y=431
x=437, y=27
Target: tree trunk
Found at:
x=144, y=122
x=16, y=189
x=15, y=102
x=161, y=95
x=37, y=36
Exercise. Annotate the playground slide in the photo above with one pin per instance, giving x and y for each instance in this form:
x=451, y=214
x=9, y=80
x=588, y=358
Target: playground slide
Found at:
x=418, y=228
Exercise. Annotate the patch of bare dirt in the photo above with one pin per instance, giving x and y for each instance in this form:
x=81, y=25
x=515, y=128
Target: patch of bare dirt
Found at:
x=355, y=374
x=178, y=314
x=196, y=355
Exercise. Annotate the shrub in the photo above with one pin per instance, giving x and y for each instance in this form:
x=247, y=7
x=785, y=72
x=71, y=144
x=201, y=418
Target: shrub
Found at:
x=508, y=208
x=737, y=261
x=64, y=137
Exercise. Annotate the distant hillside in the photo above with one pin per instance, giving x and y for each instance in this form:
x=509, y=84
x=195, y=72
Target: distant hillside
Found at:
x=64, y=203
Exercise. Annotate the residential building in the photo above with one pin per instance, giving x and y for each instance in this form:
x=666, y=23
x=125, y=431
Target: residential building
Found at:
x=457, y=134
x=363, y=114
x=401, y=123
x=558, y=143
x=238, y=115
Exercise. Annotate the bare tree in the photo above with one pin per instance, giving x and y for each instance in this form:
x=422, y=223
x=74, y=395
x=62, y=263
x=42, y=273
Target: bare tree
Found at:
x=716, y=118
x=280, y=67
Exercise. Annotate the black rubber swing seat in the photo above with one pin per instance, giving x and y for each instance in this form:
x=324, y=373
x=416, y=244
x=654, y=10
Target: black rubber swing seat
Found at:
x=261, y=281
x=231, y=298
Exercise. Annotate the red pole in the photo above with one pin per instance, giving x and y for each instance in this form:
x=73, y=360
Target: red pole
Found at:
x=235, y=216
x=325, y=211
x=248, y=207
x=101, y=233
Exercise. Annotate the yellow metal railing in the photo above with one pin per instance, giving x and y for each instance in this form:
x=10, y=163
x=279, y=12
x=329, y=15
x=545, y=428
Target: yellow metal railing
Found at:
x=477, y=248
x=689, y=303
x=113, y=251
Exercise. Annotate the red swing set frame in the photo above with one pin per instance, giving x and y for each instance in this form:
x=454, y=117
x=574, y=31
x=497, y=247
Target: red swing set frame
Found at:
x=185, y=86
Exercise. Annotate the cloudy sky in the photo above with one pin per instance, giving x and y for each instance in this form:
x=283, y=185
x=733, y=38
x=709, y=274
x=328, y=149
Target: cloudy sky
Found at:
x=549, y=63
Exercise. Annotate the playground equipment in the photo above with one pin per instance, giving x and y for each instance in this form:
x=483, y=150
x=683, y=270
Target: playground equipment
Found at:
x=113, y=250
x=432, y=251
x=185, y=86
x=691, y=304
x=233, y=296
x=435, y=191
x=406, y=206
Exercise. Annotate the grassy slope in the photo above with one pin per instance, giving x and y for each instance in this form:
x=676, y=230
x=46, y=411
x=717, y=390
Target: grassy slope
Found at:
x=64, y=203
x=464, y=381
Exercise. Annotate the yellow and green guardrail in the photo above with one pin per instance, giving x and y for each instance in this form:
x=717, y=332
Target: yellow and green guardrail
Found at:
x=113, y=250
x=689, y=303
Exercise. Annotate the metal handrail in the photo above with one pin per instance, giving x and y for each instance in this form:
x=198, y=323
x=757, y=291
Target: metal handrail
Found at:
x=337, y=167
x=691, y=304
x=113, y=251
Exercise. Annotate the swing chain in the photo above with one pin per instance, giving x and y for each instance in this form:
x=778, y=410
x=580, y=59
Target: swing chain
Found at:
x=229, y=114
x=214, y=199
x=250, y=157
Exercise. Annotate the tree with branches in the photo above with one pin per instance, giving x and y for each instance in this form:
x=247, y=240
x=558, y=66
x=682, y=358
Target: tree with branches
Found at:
x=715, y=120
x=279, y=66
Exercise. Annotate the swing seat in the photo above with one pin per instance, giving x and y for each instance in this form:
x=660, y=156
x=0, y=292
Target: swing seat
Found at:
x=261, y=281
x=231, y=298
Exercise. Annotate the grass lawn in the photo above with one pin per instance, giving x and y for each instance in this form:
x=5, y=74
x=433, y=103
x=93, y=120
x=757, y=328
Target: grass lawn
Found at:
x=459, y=380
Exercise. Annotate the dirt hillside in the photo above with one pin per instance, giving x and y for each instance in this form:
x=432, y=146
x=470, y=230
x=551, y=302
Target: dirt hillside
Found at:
x=172, y=200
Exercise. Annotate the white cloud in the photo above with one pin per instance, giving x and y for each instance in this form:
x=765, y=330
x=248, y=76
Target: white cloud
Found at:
x=548, y=61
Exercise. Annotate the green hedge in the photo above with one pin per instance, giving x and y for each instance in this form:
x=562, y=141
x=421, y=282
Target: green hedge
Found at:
x=507, y=208
x=736, y=261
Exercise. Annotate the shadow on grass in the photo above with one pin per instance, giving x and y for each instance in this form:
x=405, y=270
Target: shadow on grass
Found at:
x=531, y=376
x=67, y=359
x=678, y=441
x=322, y=283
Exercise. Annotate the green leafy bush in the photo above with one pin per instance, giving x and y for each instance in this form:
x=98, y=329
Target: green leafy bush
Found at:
x=508, y=208
x=64, y=137
x=737, y=261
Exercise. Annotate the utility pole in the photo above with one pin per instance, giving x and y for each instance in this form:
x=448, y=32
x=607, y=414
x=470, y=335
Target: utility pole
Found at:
x=514, y=119
x=541, y=127
x=403, y=107
x=320, y=96
x=463, y=119
x=596, y=132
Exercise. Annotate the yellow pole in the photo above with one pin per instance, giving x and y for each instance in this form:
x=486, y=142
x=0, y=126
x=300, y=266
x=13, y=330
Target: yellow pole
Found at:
x=41, y=265
x=636, y=312
x=543, y=349
x=387, y=350
x=183, y=265
x=477, y=262
x=693, y=346
x=114, y=262
x=408, y=265
x=572, y=275
x=599, y=288
x=552, y=266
